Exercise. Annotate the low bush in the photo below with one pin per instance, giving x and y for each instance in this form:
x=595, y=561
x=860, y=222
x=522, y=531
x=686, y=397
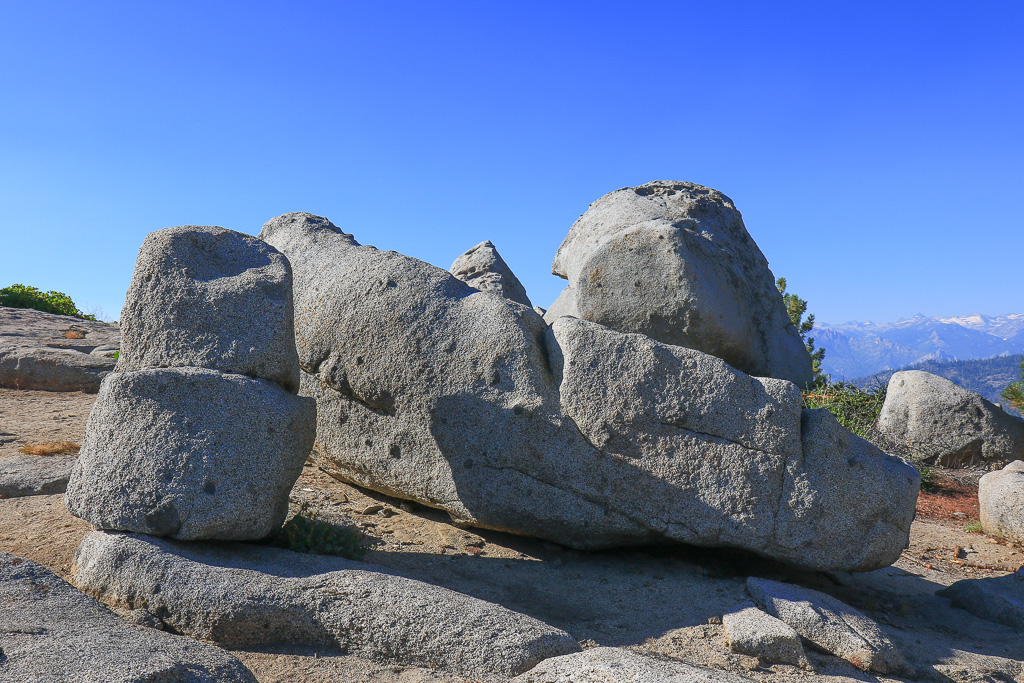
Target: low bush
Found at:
x=24, y=296
x=51, y=448
x=856, y=409
x=304, y=533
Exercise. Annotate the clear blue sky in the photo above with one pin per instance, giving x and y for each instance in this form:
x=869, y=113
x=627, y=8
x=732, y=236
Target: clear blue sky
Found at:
x=875, y=149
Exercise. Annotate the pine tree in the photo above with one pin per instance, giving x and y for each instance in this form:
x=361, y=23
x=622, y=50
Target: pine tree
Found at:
x=1014, y=393
x=796, y=307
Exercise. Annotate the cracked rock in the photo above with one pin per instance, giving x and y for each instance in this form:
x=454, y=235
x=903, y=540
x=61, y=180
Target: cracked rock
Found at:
x=577, y=434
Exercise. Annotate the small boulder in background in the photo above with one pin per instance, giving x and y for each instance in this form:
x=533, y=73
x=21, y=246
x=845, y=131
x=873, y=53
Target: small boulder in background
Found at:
x=1001, y=499
x=938, y=420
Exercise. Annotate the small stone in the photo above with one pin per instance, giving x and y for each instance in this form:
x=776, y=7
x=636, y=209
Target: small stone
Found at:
x=830, y=624
x=749, y=631
x=483, y=268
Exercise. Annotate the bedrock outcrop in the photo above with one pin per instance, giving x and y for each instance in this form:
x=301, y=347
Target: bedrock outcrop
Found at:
x=273, y=597
x=52, y=632
x=673, y=260
x=431, y=390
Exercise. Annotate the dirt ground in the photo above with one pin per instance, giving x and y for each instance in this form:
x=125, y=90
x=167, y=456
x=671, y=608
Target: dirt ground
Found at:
x=667, y=600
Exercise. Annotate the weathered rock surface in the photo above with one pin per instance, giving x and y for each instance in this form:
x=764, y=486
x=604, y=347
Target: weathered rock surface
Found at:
x=941, y=421
x=429, y=391
x=483, y=268
x=47, y=352
x=207, y=297
x=673, y=261
x=190, y=453
x=1001, y=498
x=749, y=631
x=617, y=665
x=997, y=598
x=268, y=596
x=52, y=632
x=830, y=624
x=729, y=459
x=34, y=475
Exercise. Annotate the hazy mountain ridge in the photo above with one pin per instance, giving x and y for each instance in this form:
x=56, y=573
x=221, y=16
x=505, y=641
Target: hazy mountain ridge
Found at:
x=859, y=349
x=985, y=376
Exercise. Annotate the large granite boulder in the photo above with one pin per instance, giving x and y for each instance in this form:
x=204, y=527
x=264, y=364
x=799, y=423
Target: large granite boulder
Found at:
x=430, y=390
x=939, y=421
x=52, y=632
x=272, y=597
x=207, y=297
x=673, y=261
x=190, y=453
x=483, y=268
x=1001, y=499
x=48, y=352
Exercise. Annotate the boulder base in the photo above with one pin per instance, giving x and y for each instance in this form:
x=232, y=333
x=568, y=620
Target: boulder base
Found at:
x=191, y=454
x=268, y=596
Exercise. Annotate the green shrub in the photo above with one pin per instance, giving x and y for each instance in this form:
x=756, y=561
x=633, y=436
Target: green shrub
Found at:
x=24, y=296
x=856, y=409
x=795, y=308
x=1014, y=393
x=973, y=527
x=306, y=534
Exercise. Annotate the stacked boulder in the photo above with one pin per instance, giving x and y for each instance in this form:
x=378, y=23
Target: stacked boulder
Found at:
x=198, y=433
x=430, y=389
x=673, y=261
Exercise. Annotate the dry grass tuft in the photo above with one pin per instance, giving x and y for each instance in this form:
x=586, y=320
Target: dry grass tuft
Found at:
x=51, y=448
x=74, y=334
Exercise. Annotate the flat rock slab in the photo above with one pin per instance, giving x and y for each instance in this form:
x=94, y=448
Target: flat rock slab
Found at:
x=616, y=665
x=34, y=475
x=830, y=624
x=269, y=596
x=750, y=631
x=52, y=632
x=997, y=598
x=47, y=352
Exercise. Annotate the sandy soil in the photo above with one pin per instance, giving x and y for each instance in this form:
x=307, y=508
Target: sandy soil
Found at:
x=667, y=600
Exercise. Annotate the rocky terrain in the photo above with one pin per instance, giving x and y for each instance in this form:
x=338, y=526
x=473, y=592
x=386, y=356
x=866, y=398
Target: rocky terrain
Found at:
x=666, y=601
x=472, y=489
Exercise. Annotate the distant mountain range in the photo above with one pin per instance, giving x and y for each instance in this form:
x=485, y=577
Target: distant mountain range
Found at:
x=856, y=349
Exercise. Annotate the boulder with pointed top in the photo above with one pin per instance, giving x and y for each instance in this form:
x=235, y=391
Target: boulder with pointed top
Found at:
x=483, y=268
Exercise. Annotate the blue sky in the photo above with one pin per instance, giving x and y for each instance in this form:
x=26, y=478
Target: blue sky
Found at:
x=875, y=149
